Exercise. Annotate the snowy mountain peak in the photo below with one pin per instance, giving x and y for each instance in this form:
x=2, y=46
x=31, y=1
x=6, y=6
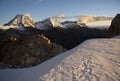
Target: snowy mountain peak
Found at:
x=48, y=23
x=82, y=24
x=21, y=20
x=55, y=22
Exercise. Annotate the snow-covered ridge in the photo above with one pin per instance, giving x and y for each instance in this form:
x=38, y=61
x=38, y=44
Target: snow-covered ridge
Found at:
x=48, y=23
x=71, y=24
x=93, y=60
x=53, y=22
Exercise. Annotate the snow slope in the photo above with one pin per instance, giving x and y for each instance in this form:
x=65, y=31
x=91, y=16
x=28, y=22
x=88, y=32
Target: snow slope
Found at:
x=93, y=60
x=117, y=37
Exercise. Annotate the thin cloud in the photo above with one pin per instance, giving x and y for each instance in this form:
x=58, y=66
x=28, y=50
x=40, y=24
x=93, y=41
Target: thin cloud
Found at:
x=87, y=18
x=61, y=16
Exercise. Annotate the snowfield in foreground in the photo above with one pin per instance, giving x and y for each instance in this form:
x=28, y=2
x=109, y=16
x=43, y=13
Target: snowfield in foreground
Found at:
x=93, y=60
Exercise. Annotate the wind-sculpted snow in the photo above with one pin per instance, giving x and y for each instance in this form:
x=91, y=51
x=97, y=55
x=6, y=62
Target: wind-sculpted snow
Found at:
x=93, y=60
x=97, y=60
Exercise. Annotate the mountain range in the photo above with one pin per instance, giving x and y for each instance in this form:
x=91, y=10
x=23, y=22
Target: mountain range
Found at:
x=20, y=21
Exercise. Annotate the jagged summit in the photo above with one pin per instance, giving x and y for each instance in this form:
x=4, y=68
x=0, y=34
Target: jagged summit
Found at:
x=21, y=20
x=48, y=23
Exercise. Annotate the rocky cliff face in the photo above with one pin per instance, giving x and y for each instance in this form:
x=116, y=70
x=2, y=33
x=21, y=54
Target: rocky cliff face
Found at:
x=27, y=51
x=114, y=29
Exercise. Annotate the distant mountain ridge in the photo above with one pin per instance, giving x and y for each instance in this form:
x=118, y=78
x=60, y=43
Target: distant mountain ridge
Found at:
x=21, y=21
x=53, y=22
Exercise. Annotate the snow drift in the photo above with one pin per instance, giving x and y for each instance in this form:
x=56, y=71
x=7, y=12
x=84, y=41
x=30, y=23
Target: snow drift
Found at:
x=93, y=60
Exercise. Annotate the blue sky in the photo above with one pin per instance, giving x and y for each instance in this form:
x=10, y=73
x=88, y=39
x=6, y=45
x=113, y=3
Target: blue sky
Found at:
x=41, y=9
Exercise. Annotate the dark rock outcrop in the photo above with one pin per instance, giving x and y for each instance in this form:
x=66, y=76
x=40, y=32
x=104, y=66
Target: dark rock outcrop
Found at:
x=71, y=37
x=27, y=51
x=114, y=29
